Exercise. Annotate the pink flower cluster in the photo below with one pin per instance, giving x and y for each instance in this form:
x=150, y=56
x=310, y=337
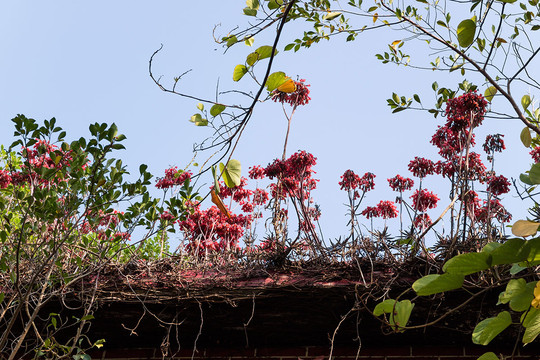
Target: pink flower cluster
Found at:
x=210, y=230
x=400, y=184
x=498, y=185
x=294, y=175
x=421, y=167
x=385, y=209
x=494, y=143
x=173, y=177
x=298, y=97
x=352, y=183
x=423, y=200
x=465, y=111
x=535, y=154
x=42, y=155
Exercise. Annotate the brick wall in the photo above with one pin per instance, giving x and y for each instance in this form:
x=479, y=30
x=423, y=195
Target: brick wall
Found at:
x=321, y=353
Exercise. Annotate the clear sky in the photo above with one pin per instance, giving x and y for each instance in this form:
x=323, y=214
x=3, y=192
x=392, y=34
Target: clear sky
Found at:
x=85, y=62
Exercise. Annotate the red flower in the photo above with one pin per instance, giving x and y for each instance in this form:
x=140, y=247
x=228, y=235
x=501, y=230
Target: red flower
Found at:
x=370, y=212
x=451, y=143
x=173, y=177
x=422, y=221
x=350, y=181
x=494, y=143
x=260, y=197
x=421, y=167
x=465, y=110
x=167, y=216
x=368, y=182
x=535, y=153
x=256, y=172
x=423, y=200
x=5, y=179
x=399, y=183
x=495, y=210
x=498, y=185
x=298, y=97
x=387, y=209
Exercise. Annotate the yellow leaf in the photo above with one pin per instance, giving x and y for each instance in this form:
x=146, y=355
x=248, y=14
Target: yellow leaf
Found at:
x=525, y=228
x=375, y=17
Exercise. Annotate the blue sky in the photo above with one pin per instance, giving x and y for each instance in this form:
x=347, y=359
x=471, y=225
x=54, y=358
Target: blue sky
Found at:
x=85, y=62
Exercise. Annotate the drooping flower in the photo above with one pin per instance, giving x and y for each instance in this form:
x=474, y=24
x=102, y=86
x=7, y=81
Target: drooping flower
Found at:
x=498, y=185
x=400, y=184
x=349, y=181
x=260, y=197
x=300, y=96
x=535, y=153
x=465, y=111
x=494, y=143
x=492, y=209
x=256, y=172
x=387, y=209
x=421, y=167
x=423, y=200
x=370, y=212
x=368, y=182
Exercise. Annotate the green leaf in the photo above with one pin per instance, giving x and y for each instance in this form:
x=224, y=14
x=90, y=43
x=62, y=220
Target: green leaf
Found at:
x=217, y=109
x=516, y=268
x=465, y=32
x=533, y=249
x=200, y=106
x=490, y=93
x=525, y=228
x=252, y=58
x=468, y=263
x=265, y=52
x=274, y=4
x=331, y=15
x=386, y=307
x=532, y=325
x=518, y=293
x=487, y=329
x=399, y=312
x=250, y=12
x=231, y=41
x=489, y=356
x=525, y=179
x=435, y=283
x=198, y=120
x=216, y=182
x=442, y=23
x=512, y=251
x=239, y=72
x=534, y=174
x=275, y=80
x=231, y=173
x=525, y=137
x=525, y=101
